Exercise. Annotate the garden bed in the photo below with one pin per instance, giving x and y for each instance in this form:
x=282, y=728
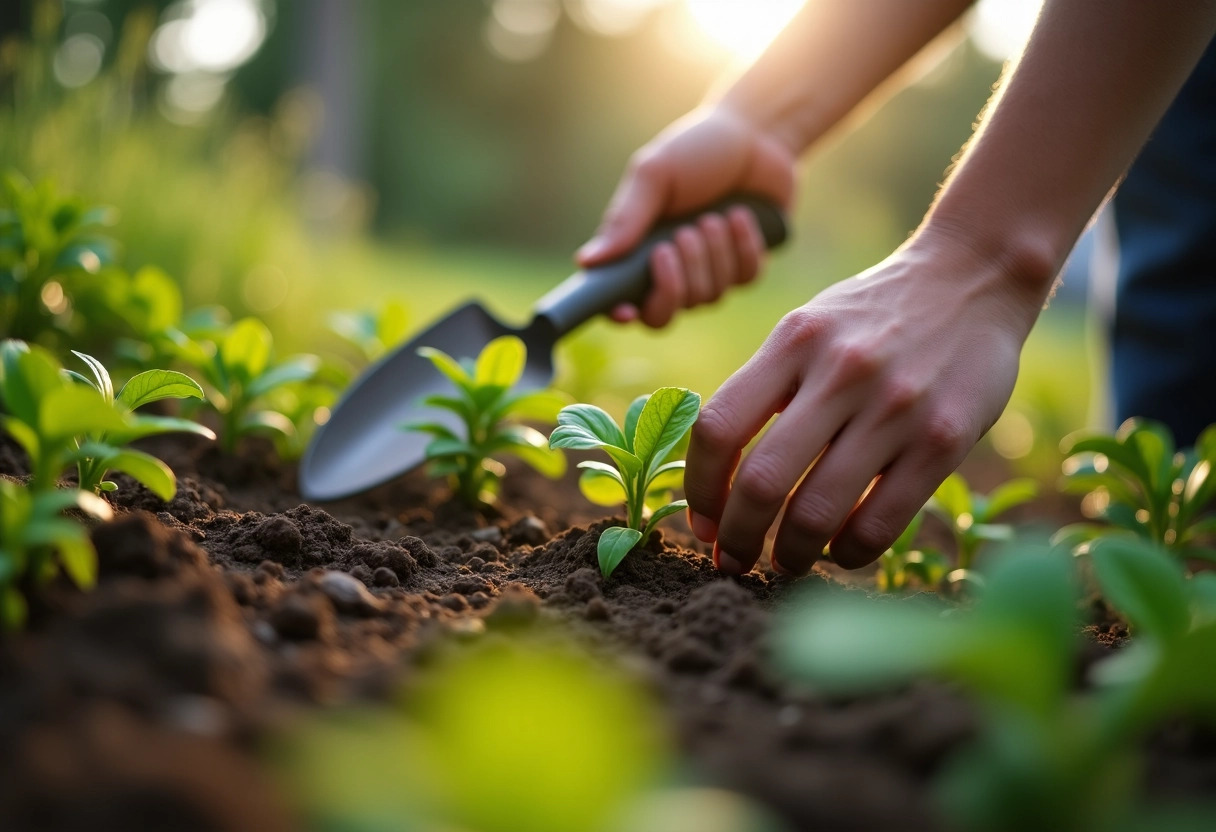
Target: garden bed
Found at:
x=228, y=614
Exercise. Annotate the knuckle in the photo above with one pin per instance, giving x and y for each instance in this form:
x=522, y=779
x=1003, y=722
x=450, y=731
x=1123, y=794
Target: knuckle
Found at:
x=873, y=534
x=798, y=327
x=812, y=514
x=856, y=359
x=945, y=433
x=645, y=163
x=900, y=395
x=759, y=480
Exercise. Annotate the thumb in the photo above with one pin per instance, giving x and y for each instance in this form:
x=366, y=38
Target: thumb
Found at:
x=632, y=211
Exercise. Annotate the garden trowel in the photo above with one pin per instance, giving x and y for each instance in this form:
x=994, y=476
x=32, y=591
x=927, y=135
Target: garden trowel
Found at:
x=363, y=443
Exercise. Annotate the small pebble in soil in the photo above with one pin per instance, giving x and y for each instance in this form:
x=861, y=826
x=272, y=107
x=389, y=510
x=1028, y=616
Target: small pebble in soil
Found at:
x=456, y=603
x=362, y=573
x=348, y=593
x=422, y=554
x=470, y=584
x=490, y=534
x=475, y=564
x=383, y=576
x=478, y=600
x=528, y=531
x=597, y=610
x=302, y=615
x=279, y=536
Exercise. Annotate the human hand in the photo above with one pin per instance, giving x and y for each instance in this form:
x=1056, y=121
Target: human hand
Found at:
x=691, y=164
x=883, y=383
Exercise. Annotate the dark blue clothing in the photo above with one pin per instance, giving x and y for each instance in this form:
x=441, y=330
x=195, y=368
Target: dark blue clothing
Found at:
x=1163, y=333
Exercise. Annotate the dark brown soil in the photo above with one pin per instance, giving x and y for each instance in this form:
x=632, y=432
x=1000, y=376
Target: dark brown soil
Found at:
x=223, y=615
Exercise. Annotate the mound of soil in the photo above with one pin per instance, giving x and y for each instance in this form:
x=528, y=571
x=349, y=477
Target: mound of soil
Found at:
x=222, y=615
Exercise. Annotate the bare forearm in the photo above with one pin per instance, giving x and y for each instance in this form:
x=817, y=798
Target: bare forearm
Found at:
x=829, y=58
x=1095, y=78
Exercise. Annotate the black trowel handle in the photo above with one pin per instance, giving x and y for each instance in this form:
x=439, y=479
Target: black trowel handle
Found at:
x=627, y=280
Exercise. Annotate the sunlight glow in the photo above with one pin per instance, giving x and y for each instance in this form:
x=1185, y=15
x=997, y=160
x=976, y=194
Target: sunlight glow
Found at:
x=1000, y=28
x=743, y=29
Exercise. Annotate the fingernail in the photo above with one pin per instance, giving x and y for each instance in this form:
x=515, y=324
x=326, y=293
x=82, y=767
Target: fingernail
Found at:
x=727, y=564
x=704, y=528
x=591, y=249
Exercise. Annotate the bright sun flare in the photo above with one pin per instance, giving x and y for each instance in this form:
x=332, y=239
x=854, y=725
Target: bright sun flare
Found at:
x=743, y=28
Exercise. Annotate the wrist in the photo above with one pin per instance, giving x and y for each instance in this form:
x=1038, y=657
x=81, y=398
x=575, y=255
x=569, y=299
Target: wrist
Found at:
x=786, y=118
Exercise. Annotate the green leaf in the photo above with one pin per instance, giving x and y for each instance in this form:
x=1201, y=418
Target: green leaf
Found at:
x=78, y=558
x=461, y=407
x=601, y=484
x=154, y=385
x=631, y=418
x=532, y=447
x=593, y=421
x=660, y=513
x=433, y=428
x=903, y=543
x=296, y=368
x=448, y=366
x=443, y=446
x=953, y=497
x=500, y=363
x=245, y=349
x=104, y=384
x=667, y=477
x=154, y=302
x=573, y=437
x=614, y=544
x=1202, y=590
x=1006, y=496
x=1143, y=583
x=538, y=406
x=75, y=411
x=266, y=421
x=666, y=417
x=392, y=324
x=138, y=426
x=24, y=435
x=27, y=376
x=147, y=469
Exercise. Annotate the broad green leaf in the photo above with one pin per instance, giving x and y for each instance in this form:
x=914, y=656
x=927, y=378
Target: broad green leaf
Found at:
x=1143, y=583
x=24, y=434
x=538, y=406
x=500, y=363
x=1182, y=682
x=76, y=411
x=631, y=418
x=573, y=437
x=449, y=366
x=1156, y=447
x=296, y=368
x=1006, y=496
x=990, y=531
x=629, y=464
x=27, y=376
x=953, y=496
x=392, y=324
x=660, y=513
x=1202, y=590
x=449, y=447
x=147, y=469
x=104, y=384
x=154, y=302
x=666, y=417
x=267, y=421
x=433, y=428
x=78, y=558
x=903, y=543
x=532, y=447
x=460, y=406
x=245, y=349
x=1115, y=452
x=138, y=426
x=667, y=477
x=154, y=385
x=79, y=379
x=1084, y=481
x=444, y=466
x=614, y=544
x=593, y=421
x=602, y=484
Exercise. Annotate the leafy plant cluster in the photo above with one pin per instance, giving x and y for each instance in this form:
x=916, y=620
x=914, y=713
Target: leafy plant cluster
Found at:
x=64, y=419
x=644, y=470
x=484, y=420
x=1047, y=755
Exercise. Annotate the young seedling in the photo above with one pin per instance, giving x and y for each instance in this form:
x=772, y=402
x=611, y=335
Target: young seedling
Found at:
x=482, y=421
x=104, y=450
x=1141, y=487
x=36, y=541
x=372, y=333
x=236, y=364
x=59, y=422
x=47, y=242
x=971, y=516
x=643, y=472
x=902, y=564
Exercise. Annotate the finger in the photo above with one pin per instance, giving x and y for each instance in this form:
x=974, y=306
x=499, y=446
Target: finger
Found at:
x=882, y=516
x=694, y=254
x=624, y=313
x=822, y=501
x=667, y=286
x=719, y=246
x=770, y=472
x=635, y=206
x=748, y=242
x=728, y=421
